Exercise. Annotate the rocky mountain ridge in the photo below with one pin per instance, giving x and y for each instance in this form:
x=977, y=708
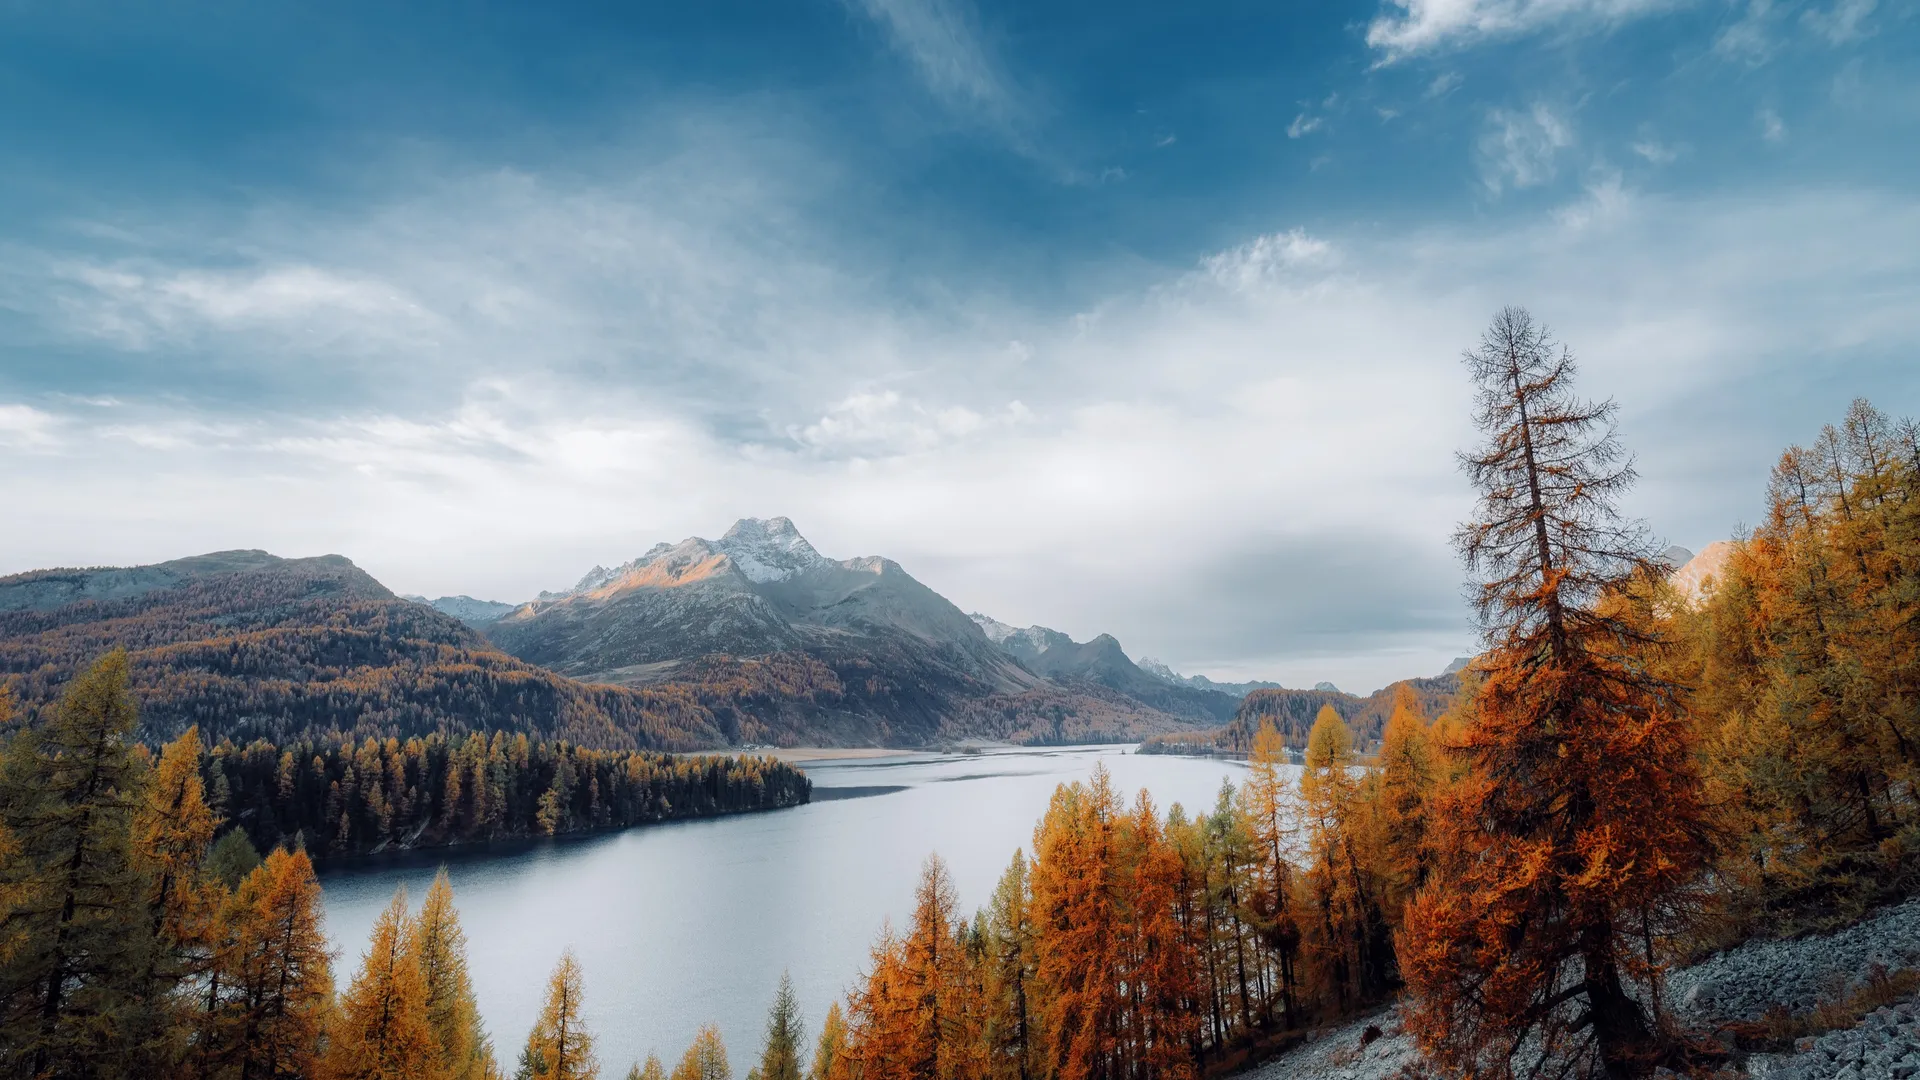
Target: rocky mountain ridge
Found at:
x=838, y=650
x=1102, y=662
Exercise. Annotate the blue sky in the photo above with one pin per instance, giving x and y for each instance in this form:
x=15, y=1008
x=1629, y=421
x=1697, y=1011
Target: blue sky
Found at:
x=1128, y=318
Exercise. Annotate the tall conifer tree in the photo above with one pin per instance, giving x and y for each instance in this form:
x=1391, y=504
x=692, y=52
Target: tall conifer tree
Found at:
x=75, y=999
x=1582, y=809
x=560, y=1047
x=381, y=1030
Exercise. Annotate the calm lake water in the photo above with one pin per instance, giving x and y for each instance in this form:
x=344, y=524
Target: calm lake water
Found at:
x=682, y=924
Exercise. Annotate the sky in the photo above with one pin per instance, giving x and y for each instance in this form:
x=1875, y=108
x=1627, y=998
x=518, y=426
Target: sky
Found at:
x=1141, y=319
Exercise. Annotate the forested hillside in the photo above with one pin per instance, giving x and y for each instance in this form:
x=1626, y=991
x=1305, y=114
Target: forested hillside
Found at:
x=247, y=645
x=1292, y=714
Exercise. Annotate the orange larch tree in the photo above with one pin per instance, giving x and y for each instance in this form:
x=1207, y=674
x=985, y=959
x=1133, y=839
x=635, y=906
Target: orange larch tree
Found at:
x=382, y=1031
x=1580, y=814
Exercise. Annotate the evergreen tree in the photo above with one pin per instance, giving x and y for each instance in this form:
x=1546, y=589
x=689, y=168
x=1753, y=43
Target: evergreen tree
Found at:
x=1008, y=932
x=826, y=1052
x=1408, y=777
x=439, y=947
x=780, y=1058
x=559, y=1046
x=1271, y=825
x=272, y=981
x=706, y=1059
x=382, y=1030
x=75, y=999
x=652, y=1070
x=233, y=857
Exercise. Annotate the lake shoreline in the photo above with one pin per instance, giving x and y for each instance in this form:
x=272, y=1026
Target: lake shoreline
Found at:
x=800, y=755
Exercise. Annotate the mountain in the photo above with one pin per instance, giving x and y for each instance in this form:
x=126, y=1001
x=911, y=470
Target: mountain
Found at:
x=465, y=608
x=247, y=644
x=808, y=648
x=1200, y=682
x=1102, y=662
x=1693, y=575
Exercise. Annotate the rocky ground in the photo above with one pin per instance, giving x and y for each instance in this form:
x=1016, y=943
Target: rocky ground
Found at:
x=1743, y=984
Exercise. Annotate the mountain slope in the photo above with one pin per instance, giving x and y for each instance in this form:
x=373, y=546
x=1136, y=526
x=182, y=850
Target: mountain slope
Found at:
x=247, y=644
x=1102, y=662
x=808, y=648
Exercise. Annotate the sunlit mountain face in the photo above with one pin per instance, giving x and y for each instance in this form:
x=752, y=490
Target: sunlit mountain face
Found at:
x=1140, y=322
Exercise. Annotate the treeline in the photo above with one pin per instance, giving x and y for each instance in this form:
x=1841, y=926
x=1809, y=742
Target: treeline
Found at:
x=1293, y=712
x=1805, y=657
x=135, y=943
x=1137, y=945
x=340, y=797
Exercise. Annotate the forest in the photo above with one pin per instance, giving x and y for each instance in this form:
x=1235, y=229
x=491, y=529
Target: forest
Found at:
x=1628, y=778
x=337, y=797
x=1292, y=713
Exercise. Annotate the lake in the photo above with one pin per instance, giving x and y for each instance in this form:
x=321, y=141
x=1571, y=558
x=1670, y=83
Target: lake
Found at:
x=686, y=923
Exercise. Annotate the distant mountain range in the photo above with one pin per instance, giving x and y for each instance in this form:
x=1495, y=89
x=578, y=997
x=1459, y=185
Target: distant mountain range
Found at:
x=1102, y=662
x=752, y=638
x=249, y=645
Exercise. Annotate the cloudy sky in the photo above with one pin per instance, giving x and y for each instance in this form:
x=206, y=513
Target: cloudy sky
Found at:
x=1137, y=318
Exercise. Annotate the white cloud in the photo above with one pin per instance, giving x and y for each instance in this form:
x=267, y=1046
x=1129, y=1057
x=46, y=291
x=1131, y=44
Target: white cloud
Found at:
x=1408, y=27
x=1521, y=149
x=1656, y=152
x=1772, y=128
x=1750, y=39
x=1844, y=22
x=1444, y=83
x=27, y=428
x=1191, y=466
x=942, y=39
x=1266, y=259
x=1605, y=200
x=1303, y=124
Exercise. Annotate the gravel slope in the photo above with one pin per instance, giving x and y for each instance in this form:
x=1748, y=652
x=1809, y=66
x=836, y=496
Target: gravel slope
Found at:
x=1741, y=984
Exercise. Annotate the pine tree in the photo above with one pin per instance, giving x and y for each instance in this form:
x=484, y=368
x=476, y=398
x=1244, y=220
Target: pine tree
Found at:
x=780, y=1058
x=272, y=983
x=1581, y=811
x=931, y=967
x=652, y=1070
x=75, y=998
x=382, y=1031
x=1075, y=978
x=559, y=1046
x=1271, y=825
x=1007, y=929
x=233, y=857
x=439, y=947
x=826, y=1052
x=706, y=1059
x=1408, y=777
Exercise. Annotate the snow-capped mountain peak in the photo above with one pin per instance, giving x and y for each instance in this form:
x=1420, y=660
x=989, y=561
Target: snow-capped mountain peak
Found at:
x=768, y=550
x=996, y=631
x=595, y=578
